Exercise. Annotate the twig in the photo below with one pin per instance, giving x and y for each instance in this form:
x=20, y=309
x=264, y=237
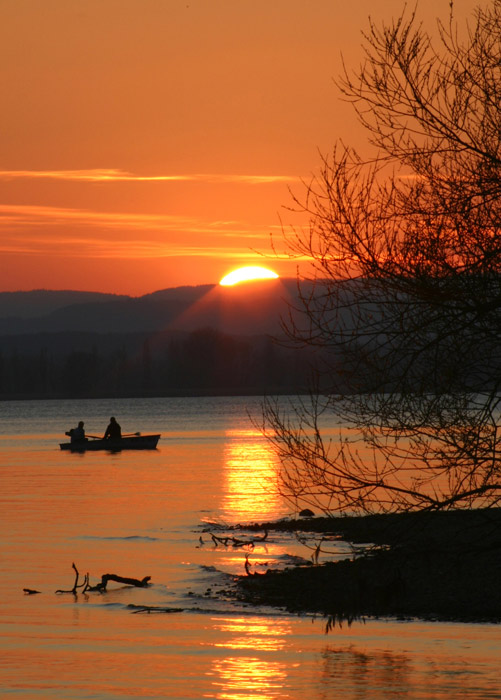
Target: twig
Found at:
x=101, y=587
x=235, y=542
x=247, y=567
x=76, y=585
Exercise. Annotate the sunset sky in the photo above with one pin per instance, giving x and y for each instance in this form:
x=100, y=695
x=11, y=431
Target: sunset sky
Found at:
x=148, y=144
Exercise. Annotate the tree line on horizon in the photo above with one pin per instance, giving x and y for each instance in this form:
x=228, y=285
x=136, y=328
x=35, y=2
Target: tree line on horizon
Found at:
x=203, y=362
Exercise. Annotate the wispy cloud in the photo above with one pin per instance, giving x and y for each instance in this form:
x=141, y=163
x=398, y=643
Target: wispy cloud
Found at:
x=104, y=175
x=59, y=231
x=35, y=215
x=46, y=215
x=81, y=247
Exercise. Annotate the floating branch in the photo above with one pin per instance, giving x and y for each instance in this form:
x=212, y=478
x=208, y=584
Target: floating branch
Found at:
x=101, y=587
x=317, y=548
x=316, y=553
x=235, y=542
x=247, y=568
x=153, y=609
x=30, y=591
x=76, y=585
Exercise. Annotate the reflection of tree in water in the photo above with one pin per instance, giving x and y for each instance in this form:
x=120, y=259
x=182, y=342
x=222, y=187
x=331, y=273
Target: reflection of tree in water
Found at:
x=374, y=674
x=250, y=469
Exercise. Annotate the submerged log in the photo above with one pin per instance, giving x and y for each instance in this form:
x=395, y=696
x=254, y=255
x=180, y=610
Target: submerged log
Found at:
x=101, y=587
x=153, y=609
x=228, y=541
x=139, y=583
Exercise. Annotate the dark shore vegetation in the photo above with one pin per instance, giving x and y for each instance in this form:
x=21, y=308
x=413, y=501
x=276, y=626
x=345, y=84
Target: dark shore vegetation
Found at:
x=205, y=362
x=434, y=566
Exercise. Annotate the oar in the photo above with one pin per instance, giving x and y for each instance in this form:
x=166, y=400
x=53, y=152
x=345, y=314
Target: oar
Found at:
x=100, y=437
x=123, y=435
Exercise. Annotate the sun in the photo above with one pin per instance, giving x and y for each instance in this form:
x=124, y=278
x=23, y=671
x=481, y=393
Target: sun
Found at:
x=246, y=274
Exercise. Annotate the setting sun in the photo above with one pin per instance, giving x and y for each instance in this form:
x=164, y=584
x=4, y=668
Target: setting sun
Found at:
x=246, y=274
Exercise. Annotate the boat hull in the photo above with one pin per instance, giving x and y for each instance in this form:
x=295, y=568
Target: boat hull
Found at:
x=136, y=442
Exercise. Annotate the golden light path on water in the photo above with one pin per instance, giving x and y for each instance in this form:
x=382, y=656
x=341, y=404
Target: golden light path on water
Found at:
x=243, y=677
x=250, y=495
x=138, y=514
x=250, y=476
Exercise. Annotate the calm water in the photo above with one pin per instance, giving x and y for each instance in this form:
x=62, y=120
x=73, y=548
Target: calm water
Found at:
x=138, y=514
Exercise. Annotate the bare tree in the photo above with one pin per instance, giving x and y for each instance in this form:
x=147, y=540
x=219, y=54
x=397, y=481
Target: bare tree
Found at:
x=404, y=302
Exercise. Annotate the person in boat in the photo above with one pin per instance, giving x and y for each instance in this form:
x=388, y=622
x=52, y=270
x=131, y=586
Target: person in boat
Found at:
x=113, y=431
x=77, y=434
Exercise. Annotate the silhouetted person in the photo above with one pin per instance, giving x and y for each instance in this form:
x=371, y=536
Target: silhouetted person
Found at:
x=113, y=431
x=77, y=434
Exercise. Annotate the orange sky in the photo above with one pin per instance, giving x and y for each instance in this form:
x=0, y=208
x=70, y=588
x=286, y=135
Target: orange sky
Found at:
x=147, y=144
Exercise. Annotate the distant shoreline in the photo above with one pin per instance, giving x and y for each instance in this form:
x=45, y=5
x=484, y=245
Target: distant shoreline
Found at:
x=432, y=566
x=174, y=395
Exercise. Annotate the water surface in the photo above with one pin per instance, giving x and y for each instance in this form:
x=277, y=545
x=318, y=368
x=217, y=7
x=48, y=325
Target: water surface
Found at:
x=148, y=513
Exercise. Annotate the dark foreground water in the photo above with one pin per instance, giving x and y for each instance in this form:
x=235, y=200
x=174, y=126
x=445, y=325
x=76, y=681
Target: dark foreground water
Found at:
x=138, y=514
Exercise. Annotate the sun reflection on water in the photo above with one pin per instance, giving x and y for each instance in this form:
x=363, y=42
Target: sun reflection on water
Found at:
x=242, y=677
x=257, y=633
x=249, y=678
x=250, y=475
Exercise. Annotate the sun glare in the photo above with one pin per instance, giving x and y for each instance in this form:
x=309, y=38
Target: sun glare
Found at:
x=246, y=274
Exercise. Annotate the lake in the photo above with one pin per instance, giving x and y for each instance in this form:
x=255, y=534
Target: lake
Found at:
x=152, y=513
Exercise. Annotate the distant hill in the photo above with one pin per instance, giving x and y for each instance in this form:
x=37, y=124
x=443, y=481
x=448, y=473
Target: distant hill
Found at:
x=183, y=294
x=250, y=308
x=204, y=340
x=41, y=302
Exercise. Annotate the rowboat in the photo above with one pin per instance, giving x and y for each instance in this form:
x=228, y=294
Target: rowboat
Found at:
x=133, y=442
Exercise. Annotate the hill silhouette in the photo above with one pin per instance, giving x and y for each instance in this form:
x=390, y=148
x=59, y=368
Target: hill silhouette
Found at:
x=248, y=308
x=40, y=302
x=204, y=340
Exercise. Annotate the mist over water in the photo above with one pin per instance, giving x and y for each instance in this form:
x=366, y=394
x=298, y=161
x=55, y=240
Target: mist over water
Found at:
x=151, y=513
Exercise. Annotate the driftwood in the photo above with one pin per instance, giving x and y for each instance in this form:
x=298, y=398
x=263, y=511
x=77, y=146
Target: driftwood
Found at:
x=247, y=568
x=228, y=541
x=153, y=609
x=76, y=585
x=235, y=542
x=101, y=587
x=30, y=591
x=139, y=583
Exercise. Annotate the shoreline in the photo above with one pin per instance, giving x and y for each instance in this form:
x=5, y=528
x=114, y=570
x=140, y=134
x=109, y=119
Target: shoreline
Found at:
x=432, y=566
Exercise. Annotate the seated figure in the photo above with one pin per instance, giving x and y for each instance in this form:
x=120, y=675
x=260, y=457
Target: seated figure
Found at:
x=77, y=434
x=113, y=431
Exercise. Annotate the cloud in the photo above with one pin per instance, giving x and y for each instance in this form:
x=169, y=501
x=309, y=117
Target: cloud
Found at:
x=111, y=175
x=59, y=231
x=36, y=215
x=46, y=215
x=81, y=247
